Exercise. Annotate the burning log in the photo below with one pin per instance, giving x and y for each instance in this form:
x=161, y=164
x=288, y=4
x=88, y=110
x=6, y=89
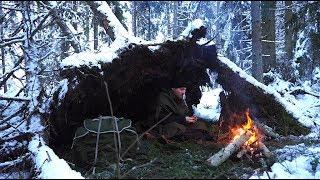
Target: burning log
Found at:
x=247, y=137
x=226, y=152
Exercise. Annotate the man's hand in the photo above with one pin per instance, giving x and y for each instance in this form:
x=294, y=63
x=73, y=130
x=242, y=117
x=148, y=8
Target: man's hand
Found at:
x=191, y=119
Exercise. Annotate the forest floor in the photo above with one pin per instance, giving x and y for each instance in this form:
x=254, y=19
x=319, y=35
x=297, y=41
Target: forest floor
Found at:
x=158, y=160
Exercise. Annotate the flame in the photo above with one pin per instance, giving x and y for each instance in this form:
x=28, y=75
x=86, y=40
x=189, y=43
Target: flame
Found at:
x=249, y=126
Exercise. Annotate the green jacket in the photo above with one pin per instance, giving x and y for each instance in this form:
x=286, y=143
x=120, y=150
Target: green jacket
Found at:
x=169, y=102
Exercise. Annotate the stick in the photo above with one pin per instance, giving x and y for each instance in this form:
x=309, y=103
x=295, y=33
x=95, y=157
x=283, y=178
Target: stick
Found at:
x=226, y=152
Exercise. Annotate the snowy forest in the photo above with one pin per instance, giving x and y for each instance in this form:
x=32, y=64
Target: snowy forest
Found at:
x=68, y=64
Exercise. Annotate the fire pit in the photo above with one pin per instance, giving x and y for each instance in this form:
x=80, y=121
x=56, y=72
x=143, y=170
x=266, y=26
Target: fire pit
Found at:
x=244, y=139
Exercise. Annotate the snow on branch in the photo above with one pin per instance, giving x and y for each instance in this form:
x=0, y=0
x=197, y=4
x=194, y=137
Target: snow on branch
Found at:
x=195, y=24
x=48, y=163
x=14, y=98
x=64, y=27
x=268, y=90
x=102, y=10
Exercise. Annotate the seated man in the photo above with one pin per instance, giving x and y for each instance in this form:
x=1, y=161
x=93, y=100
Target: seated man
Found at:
x=181, y=124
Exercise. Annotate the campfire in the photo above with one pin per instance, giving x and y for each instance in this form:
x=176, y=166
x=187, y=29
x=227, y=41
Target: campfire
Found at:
x=245, y=139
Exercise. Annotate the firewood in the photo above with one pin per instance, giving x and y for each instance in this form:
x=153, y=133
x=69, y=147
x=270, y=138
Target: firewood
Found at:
x=266, y=130
x=226, y=152
x=265, y=150
x=241, y=153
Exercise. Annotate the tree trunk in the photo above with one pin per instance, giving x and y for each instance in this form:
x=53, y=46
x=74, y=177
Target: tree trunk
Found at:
x=257, y=64
x=288, y=30
x=149, y=21
x=134, y=17
x=74, y=24
x=87, y=25
x=95, y=33
x=217, y=33
x=2, y=50
x=288, y=45
x=175, y=20
x=169, y=31
x=268, y=35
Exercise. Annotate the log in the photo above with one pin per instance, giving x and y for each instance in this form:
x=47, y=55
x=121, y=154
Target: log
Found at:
x=265, y=150
x=241, y=153
x=267, y=130
x=226, y=152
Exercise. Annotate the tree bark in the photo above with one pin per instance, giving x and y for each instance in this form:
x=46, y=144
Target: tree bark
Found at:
x=288, y=45
x=268, y=35
x=95, y=33
x=134, y=17
x=149, y=21
x=257, y=64
x=74, y=24
x=169, y=31
x=175, y=20
x=2, y=50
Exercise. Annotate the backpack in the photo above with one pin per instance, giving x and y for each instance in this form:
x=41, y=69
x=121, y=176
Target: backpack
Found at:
x=94, y=147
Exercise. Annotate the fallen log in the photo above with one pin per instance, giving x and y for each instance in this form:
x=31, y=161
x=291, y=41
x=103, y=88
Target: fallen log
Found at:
x=231, y=148
x=244, y=92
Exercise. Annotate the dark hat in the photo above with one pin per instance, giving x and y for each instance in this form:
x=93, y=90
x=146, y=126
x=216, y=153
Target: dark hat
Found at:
x=179, y=81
